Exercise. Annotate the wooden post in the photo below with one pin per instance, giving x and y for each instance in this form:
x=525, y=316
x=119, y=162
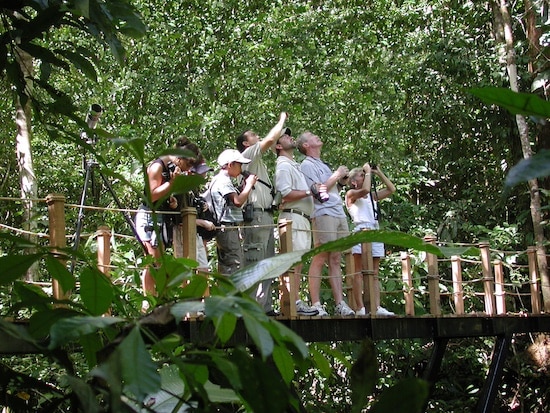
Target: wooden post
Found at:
x=488, y=279
x=185, y=235
x=500, y=293
x=103, y=235
x=433, y=279
x=369, y=280
x=350, y=274
x=408, y=290
x=533, y=277
x=56, y=217
x=288, y=281
x=458, y=293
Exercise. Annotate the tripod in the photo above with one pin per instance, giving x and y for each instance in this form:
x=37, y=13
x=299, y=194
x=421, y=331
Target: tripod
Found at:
x=89, y=166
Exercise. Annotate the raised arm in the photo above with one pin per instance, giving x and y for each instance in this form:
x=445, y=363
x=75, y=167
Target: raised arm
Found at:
x=274, y=133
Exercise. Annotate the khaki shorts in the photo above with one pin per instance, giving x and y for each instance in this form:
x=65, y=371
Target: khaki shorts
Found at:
x=327, y=228
x=301, y=231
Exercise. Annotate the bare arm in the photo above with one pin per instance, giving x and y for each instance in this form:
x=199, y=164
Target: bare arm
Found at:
x=337, y=175
x=274, y=133
x=295, y=195
x=157, y=188
x=240, y=199
x=389, y=187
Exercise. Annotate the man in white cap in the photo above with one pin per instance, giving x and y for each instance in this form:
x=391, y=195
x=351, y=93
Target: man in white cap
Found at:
x=226, y=202
x=259, y=241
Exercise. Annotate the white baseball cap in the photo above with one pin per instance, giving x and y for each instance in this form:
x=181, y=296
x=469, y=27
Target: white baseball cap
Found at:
x=231, y=155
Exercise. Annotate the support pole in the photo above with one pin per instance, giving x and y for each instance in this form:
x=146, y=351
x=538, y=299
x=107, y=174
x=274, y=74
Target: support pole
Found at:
x=56, y=214
x=408, y=289
x=433, y=278
x=104, y=250
x=500, y=293
x=288, y=282
x=488, y=393
x=369, y=280
x=458, y=293
x=488, y=280
x=534, y=281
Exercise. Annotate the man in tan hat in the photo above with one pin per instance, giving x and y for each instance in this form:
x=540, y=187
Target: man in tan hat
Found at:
x=225, y=202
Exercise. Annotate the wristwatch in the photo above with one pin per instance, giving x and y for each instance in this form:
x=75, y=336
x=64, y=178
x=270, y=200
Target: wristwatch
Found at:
x=308, y=192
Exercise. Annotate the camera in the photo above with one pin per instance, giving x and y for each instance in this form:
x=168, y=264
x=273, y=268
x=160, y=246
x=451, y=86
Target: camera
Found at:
x=373, y=166
x=172, y=167
x=321, y=196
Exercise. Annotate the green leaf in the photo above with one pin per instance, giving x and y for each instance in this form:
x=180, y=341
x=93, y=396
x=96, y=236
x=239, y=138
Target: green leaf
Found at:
x=58, y=271
x=321, y=362
x=260, y=336
x=363, y=375
x=139, y=372
x=265, y=269
x=16, y=266
x=69, y=329
x=41, y=322
x=96, y=291
x=537, y=166
x=283, y=361
x=407, y=396
x=517, y=103
x=81, y=63
x=85, y=394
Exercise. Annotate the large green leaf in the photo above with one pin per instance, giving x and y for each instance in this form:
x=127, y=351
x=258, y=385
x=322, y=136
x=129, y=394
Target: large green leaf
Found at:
x=407, y=396
x=139, y=372
x=276, y=266
x=259, y=334
x=537, y=166
x=16, y=266
x=69, y=329
x=363, y=375
x=42, y=321
x=58, y=271
x=518, y=103
x=96, y=290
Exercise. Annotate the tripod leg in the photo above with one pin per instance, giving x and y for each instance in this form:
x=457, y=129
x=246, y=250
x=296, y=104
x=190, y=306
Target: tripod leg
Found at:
x=80, y=218
x=126, y=215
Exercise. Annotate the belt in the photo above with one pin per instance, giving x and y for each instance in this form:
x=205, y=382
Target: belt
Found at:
x=270, y=209
x=298, y=212
x=230, y=224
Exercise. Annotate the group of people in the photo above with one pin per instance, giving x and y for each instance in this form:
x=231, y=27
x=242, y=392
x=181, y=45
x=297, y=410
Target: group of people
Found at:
x=242, y=191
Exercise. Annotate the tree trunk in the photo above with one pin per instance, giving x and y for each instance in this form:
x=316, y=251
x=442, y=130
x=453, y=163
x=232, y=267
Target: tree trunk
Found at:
x=502, y=16
x=27, y=179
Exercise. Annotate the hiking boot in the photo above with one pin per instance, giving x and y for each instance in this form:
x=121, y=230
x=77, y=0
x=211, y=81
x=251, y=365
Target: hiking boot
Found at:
x=304, y=309
x=343, y=310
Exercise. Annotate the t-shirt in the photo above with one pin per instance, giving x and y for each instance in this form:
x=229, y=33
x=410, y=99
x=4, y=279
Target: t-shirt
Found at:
x=217, y=197
x=261, y=194
x=318, y=172
x=288, y=177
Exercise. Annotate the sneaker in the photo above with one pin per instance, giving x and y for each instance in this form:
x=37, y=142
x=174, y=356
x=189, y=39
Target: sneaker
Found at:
x=304, y=309
x=381, y=311
x=320, y=309
x=361, y=311
x=343, y=309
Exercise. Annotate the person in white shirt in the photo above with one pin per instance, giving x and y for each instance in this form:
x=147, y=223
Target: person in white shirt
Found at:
x=297, y=206
x=362, y=205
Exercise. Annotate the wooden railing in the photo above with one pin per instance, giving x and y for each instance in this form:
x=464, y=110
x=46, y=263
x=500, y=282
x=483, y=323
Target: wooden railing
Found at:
x=492, y=278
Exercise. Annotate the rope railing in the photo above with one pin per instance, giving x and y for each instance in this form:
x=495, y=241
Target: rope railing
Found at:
x=434, y=284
